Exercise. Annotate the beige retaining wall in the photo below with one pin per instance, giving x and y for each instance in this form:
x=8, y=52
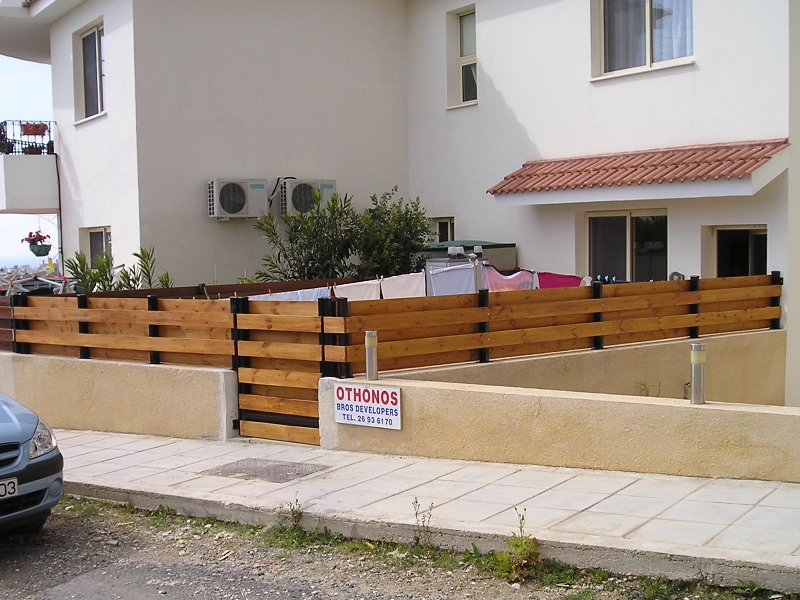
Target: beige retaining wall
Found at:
x=578, y=429
x=102, y=395
x=747, y=368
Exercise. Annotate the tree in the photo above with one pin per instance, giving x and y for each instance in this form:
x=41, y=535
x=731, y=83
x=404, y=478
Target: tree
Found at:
x=316, y=244
x=391, y=235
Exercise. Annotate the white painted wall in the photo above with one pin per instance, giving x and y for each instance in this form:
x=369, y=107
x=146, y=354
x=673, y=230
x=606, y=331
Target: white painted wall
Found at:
x=98, y=157
x=537, y=100
x=252, y=89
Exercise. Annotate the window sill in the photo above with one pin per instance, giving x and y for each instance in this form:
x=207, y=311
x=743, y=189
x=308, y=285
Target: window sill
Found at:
x=92, y=118
x=660, y=66
x=463, y=104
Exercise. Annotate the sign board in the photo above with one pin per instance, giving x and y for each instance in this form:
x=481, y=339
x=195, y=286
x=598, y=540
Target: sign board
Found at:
x=367, y=405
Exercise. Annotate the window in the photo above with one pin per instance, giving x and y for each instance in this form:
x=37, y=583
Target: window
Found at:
x=467, y=61
x=99, y=242
x=640, y=33
x=92, y=73
x=462, y=64
x=741, y=251
x=628, y=246
x=443, y=229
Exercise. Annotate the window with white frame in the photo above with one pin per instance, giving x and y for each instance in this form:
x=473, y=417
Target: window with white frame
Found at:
x=639, y=34
x=99, y=242
x=462, y=68
x=467, y=57
x=90, y=73
x=443, y=229
x=628, y=245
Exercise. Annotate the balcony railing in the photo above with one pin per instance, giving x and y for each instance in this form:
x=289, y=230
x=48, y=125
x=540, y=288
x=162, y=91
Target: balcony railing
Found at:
x=26, y=137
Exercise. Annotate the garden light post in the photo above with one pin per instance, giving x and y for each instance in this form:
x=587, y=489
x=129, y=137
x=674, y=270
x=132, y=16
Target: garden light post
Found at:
x=698, y=382
x=371, y=344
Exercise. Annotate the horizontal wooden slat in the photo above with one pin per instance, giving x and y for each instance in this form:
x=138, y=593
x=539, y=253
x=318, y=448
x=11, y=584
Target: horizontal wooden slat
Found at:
x=279, y=350
x=89, y=315
x=127, y=342
x=404, y=320
x=279, y=378
x=279, y=323
x=282, y=433
x=283, y=308
x=281, y=406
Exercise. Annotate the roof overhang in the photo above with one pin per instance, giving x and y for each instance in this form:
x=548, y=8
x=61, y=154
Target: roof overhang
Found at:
x=711, y=171
x=25, y=26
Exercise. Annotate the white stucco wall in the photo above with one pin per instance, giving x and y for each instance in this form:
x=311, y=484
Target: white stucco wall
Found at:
x=98, y=156
x=261, y=90
x=536, y=100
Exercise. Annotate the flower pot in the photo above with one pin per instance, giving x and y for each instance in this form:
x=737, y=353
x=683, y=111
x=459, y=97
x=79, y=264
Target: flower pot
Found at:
x=40, y=249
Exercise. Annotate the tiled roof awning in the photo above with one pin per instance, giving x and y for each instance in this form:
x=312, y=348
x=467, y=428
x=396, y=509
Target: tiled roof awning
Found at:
x=729, y=169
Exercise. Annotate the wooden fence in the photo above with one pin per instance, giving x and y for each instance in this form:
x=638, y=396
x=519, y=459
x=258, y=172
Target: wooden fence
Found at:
x=281, y=349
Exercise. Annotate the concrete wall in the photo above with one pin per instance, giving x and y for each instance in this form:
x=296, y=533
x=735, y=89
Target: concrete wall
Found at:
x=580, y=430
x=746, y=368
x=100, y=395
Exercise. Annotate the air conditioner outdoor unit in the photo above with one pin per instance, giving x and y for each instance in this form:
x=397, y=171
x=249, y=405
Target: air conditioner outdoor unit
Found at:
x=237, y=198
x=297, y=194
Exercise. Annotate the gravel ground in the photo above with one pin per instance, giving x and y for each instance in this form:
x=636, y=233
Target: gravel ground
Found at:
x=96, y=550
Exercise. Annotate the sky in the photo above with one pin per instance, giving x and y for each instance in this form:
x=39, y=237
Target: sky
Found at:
x=25, y=94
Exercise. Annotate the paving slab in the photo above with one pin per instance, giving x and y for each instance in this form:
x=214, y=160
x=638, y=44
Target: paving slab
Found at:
x=723, y=531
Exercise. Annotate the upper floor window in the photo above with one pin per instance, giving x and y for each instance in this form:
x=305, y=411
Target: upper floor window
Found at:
x=462, y=57
x=640, y=33
x=467, y=59
x=91, y=73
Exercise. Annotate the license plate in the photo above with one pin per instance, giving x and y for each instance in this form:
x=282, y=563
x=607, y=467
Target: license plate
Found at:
x=8, y=488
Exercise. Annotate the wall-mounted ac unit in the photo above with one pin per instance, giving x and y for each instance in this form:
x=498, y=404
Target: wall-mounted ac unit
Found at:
x=297, y=194
x=237, y=198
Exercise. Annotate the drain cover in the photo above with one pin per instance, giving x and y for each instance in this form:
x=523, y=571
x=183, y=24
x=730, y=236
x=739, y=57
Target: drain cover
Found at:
x=268, y=470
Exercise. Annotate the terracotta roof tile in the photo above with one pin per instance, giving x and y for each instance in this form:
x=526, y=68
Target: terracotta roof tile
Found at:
x=664, y=165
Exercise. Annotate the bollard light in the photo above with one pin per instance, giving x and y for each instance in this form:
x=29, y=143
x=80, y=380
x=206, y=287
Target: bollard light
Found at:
x=371, y=344
x=698, y=383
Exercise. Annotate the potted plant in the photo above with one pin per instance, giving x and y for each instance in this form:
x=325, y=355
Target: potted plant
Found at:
x=37, y=242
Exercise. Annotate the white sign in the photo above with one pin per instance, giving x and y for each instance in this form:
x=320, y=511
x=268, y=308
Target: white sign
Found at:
x=367, y=405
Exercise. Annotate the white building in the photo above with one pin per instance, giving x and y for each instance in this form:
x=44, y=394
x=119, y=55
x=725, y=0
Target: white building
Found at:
x=444, y=99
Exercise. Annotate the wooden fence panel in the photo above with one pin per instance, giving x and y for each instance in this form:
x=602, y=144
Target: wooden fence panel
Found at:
x=280, y=360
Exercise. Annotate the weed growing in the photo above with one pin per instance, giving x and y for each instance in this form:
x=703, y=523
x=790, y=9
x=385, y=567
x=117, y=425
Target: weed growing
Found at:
x=521, y=562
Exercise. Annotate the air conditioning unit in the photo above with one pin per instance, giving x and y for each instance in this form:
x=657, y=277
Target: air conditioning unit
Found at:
x=237, y=198
x=297, y=194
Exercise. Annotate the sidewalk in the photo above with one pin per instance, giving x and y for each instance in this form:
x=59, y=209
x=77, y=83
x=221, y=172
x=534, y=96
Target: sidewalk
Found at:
x=726, y=531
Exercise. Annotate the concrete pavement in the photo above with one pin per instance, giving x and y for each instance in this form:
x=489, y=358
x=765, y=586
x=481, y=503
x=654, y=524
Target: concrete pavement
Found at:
x=725, y=531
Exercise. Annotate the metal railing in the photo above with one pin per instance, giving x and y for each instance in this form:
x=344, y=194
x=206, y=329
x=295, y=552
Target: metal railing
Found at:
x=27, y=137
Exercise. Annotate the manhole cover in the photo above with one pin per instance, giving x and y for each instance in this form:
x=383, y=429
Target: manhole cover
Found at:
x=268, y=470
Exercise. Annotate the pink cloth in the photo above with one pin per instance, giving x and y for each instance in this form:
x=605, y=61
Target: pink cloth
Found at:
x=495, y=281
x=556, y=280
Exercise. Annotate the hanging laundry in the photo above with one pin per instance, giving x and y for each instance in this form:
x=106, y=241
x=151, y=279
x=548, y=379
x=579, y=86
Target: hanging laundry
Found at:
x=557, y=280
x=277, y=296
x=459, y=279
x=404, y=286
x=314, y=294
x=495, y=281
x=363, y=290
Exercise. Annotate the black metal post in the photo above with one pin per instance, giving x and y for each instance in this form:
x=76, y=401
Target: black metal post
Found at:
x=83, y=327
x=483, y=327
x=598, y=343
x=776, y=279
x=342, y=309
x=694, y=309
x=152, y=330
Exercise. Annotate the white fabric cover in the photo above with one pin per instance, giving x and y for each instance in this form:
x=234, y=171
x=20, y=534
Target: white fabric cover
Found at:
x=363, y=290
x=404, y=286
x=459, y=279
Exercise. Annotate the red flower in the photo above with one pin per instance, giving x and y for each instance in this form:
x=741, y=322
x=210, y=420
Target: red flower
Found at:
x=36, y=238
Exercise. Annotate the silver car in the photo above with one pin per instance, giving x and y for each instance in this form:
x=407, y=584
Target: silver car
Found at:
x=31, y=468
